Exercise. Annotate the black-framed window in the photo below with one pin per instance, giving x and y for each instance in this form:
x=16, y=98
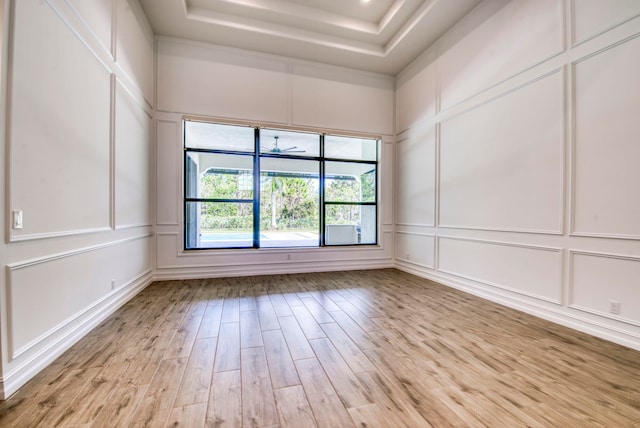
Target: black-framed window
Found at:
x=252, y=187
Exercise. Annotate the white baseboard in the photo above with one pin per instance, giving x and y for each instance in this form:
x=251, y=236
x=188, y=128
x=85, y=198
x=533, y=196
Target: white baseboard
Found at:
x=269, y=269
x=556, y=314
x=31, y=363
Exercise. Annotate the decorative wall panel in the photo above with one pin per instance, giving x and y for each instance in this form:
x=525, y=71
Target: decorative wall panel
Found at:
x=416, y=178
x=600, y=279
x=528, y=270
x=501, y=163
x=203, y=80
x=497, y=47
x=607, y=136
x=591, y=17
x=416, y=248
x=132, y=161
x=58, y=128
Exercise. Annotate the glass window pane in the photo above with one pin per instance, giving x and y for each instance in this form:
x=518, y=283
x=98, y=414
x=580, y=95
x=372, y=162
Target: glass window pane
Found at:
x=350, y=148
x=218, y=176
x=350, y=224
x=289, y=203
x=350, y=182
x=213, y=136
x=273, y=141
x=218, y=225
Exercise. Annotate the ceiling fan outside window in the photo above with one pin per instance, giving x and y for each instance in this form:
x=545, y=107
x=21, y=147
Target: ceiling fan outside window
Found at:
x=278, y=150
x=293, y=143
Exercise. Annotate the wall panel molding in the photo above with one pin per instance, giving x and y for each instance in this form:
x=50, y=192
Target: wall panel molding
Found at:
x=407, y=257
x=600, y=302
x=66, y=233
x=476, y=69
x=558, y=264
x=132, y=160
x=57, y=256
x=470, y=106
x=386, y=181
x=416, y=199
x=168, y=155
x=610, y=23
x=102, y=35
x=269, y=260
x=490, y=149
x=602, y=203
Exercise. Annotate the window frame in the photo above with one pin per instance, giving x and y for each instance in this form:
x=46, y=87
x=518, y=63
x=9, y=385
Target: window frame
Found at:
x=257, y=155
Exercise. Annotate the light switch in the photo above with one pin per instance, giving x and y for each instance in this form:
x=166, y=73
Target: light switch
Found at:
x=17, y=219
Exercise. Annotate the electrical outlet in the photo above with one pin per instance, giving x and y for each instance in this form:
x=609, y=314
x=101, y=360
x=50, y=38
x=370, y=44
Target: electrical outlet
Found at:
x=113, y=284
x=614, y=307
x=408, y=257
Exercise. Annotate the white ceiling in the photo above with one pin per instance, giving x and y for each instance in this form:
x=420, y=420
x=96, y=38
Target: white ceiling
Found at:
x=381, y=36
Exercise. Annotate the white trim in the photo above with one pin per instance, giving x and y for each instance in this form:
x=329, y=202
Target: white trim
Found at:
x=435, y=248
x=47, y=235
x=605, y=48
x=113, y=89
x=88, y=27
x=571, y=285
x=401, y=262
x=575, y=43
x=605, y=255
x=38, y=260
x=431, y=226
x=574, y=145
x=177, y=124
x=502, y=229
x=137, y=98
x=557, y=250
x=406, y=232
x=437, y=169
x=470, y=98
x=290, y=267
x=560, y=231
x=605, y=315
x=503, y=94
x=605, y=235
x=77, y=34
x=282, y=127
x=132, y=226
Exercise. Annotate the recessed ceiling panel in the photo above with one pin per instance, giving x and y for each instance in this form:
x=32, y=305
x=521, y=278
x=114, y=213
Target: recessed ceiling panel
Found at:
x=372, y=12
x=381, y=35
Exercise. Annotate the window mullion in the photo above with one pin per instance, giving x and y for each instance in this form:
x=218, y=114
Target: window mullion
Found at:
x=321, y=186
x=256, y=189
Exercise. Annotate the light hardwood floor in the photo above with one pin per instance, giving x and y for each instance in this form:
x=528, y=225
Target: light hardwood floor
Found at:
x=350, y=349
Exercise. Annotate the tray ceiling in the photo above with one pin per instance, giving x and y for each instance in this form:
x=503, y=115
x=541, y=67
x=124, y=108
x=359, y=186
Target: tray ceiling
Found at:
x=381, y=35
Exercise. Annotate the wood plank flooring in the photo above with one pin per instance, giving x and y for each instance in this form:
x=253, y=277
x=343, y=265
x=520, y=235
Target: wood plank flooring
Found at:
x=349, y=349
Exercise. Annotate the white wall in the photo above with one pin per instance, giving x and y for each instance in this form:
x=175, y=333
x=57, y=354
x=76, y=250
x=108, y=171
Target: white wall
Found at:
x=517, y=161
x=77, y=107
x=228, y=84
